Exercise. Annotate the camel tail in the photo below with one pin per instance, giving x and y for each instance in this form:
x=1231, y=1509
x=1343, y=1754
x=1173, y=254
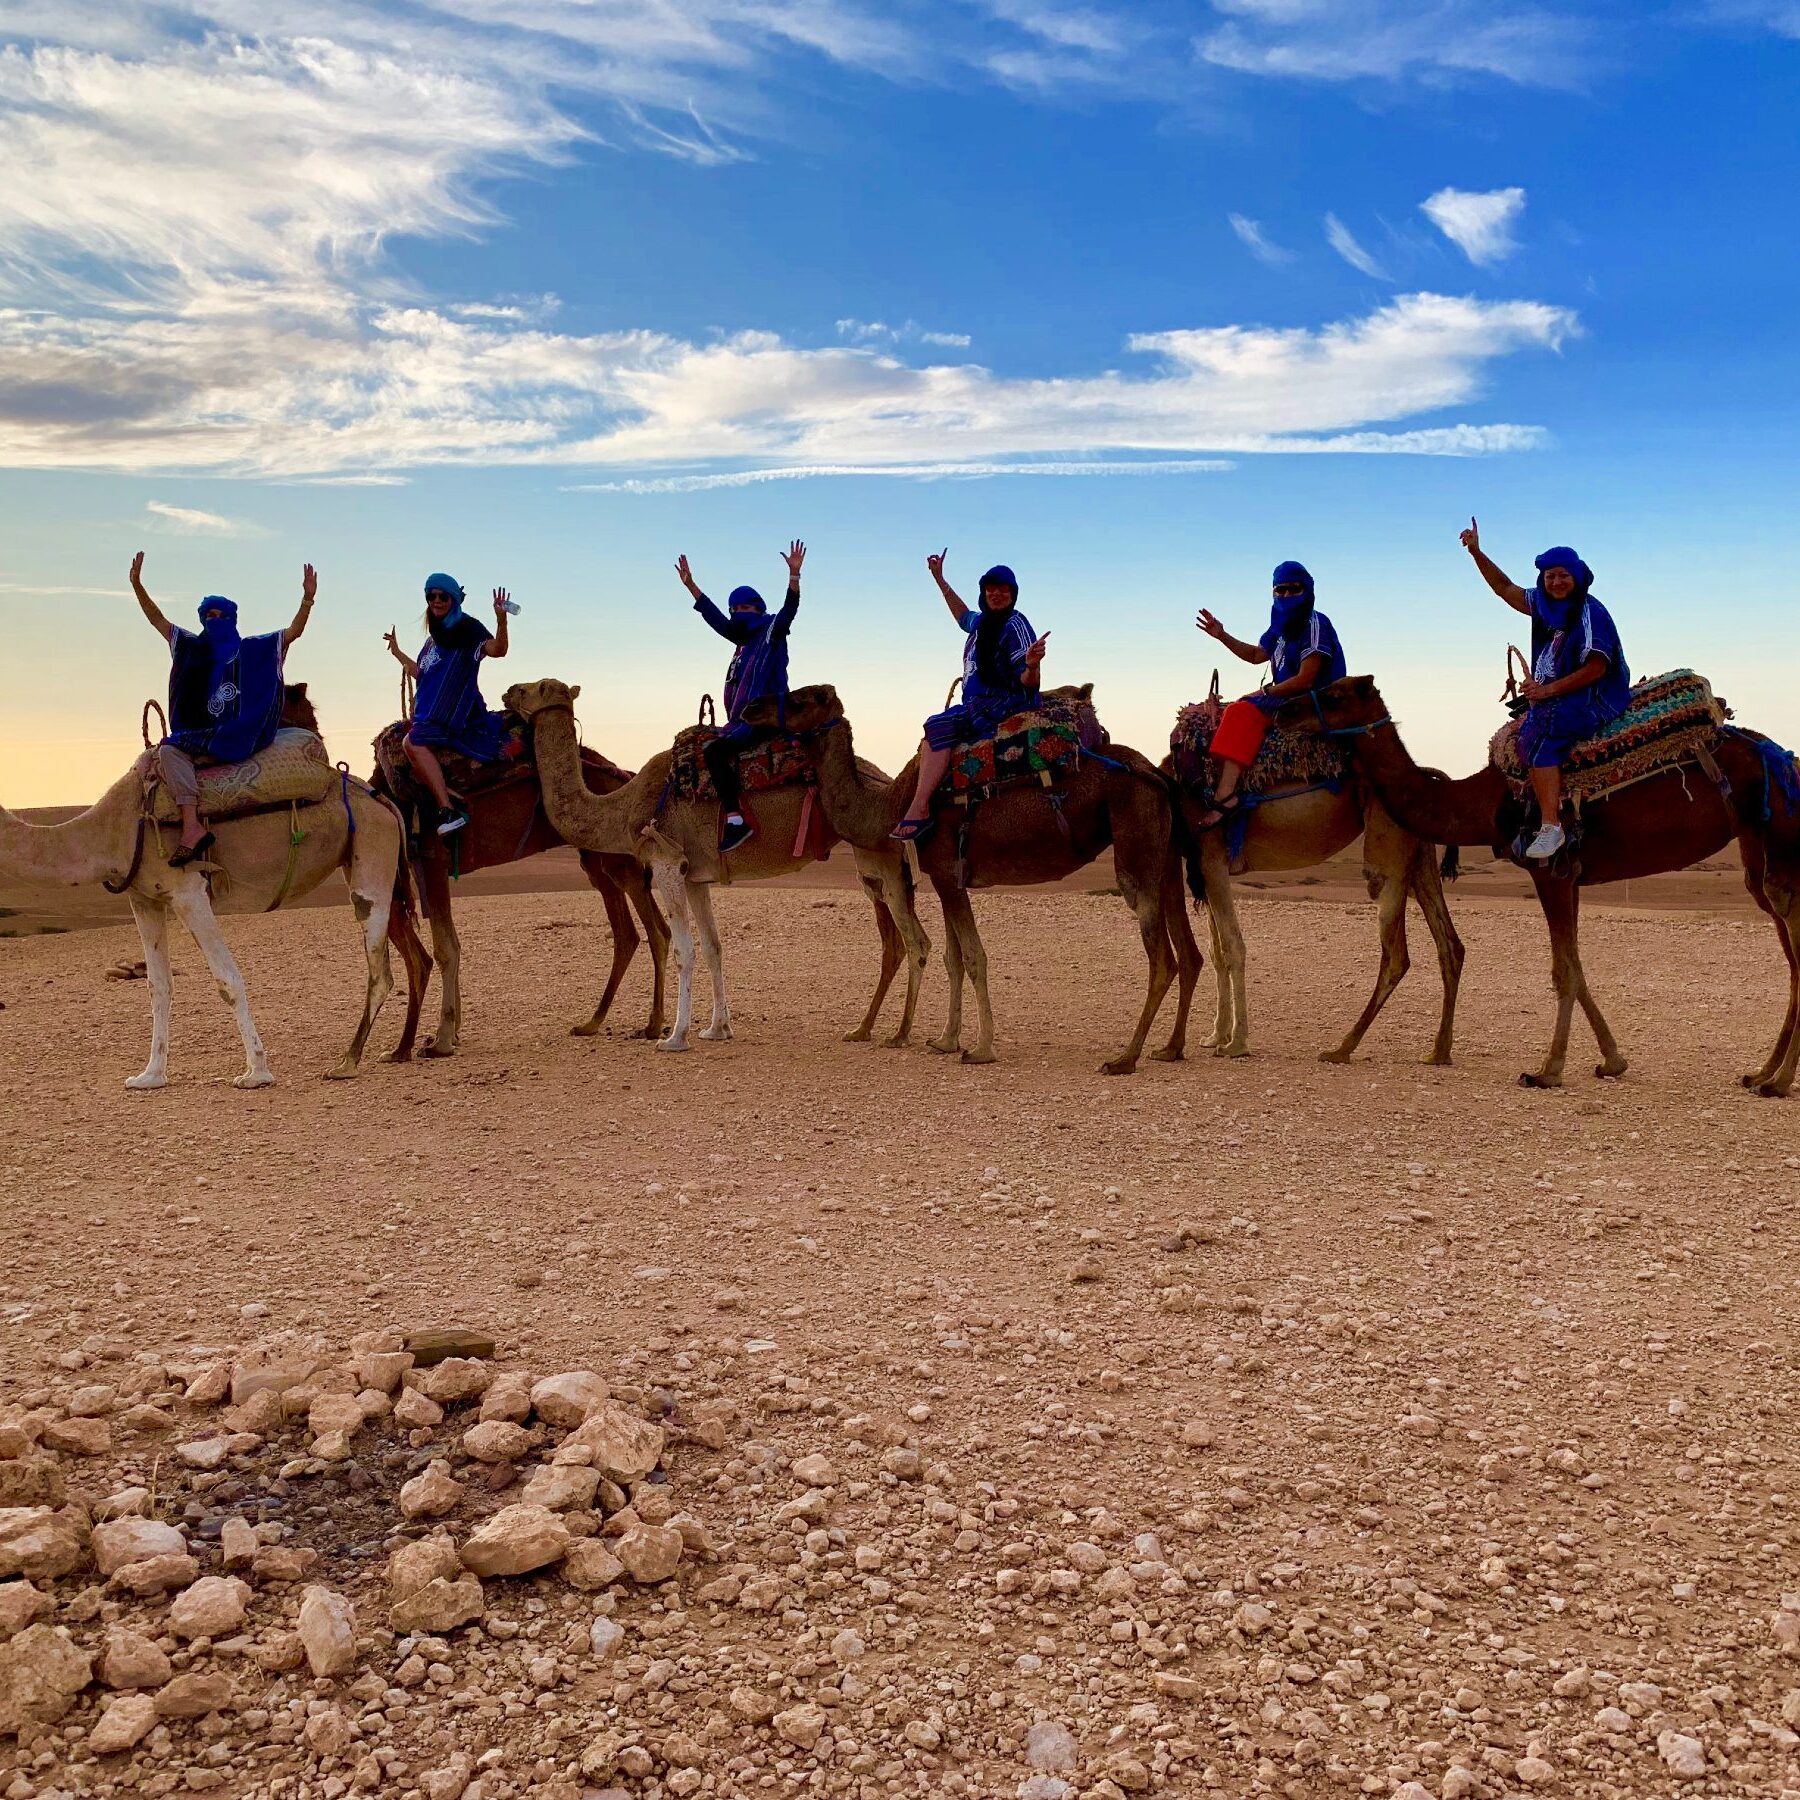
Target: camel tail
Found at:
x=1451, y=867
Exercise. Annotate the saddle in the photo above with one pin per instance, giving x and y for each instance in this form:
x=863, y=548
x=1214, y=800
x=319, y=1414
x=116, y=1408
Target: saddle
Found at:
x=782, y=762
x=462, y=774
x=1043, y=744
x=1672, y=718
x=292, y=770
x=1287, y=759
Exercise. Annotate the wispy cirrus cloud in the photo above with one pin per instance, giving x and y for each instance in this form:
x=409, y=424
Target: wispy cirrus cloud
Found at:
x=192, y=521
x=1340, y=237
x=1252, y=236
x=873, y=331
x=1479, y=225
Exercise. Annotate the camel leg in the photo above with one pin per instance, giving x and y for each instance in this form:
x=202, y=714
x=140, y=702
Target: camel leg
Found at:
x=1427, y=887
x=1146, y=900
x=196, y=913
x=624, y=941
x=1778, y=899
x=1395, y=962
x=656, y=933
x=959, y=919
x=1187, y=964
x=949, y=1040
x=891, y=957
x=153, y=933
x=1231, y=1029
x=668, y=879
x=700, y=901
x=417, y=962
x=446, y=950
x=372, y=916
x=1561, y=901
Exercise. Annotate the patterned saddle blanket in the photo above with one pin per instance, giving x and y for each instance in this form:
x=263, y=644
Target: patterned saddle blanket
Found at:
x=294, y=768
x=781, y=762
x=463, y=775
x=1670, y=717
x=1042, y=745
x=1286, y=759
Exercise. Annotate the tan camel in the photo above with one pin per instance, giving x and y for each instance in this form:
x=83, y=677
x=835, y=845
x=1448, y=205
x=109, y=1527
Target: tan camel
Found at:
x=679, y=840
x=1023, y=835
x=256, y=865
x=1295, y=828
x=1666, y=821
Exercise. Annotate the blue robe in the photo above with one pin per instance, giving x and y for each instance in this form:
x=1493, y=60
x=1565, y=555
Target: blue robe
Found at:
x=1580, y=628
x=448, y=710
x=224, y=692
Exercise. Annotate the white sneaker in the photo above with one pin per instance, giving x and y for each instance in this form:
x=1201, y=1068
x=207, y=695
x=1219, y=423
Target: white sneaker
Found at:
x=1545, y=845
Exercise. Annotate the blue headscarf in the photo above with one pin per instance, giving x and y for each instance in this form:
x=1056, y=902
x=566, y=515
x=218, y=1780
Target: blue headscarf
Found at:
x=221, y=634
x=1291, y=611
x=449, y=585
x=748, y=597
x=1559, y=615
x=224, y=689
x=994, y=668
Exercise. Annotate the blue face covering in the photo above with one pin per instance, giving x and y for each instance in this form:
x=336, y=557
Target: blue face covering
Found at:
x=746, y=599
x=1288, y=613
x=221, y=634
x=1560, y=614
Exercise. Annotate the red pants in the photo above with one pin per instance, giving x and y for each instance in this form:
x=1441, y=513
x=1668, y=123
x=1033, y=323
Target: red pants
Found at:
x=1242, y=729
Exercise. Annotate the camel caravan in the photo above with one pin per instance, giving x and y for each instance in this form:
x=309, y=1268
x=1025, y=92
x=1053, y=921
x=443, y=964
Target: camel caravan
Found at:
x=1592, y=779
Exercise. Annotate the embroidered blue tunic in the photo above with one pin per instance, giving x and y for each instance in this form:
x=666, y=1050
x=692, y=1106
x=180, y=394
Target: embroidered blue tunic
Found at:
x=1580, y=628
x=224, y=691
x=1288, y=650
x=448, y=710
x=984, y=704
x=759, y=667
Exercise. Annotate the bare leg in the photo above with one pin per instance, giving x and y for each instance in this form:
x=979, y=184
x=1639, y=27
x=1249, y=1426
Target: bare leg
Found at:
x=429, y=770
x=932, y=764
x=1547, y=785
x=1230, y=774
x=700, y=904
x=669, y=880
x=194, y=911
x=153, y=933
x=624, y=939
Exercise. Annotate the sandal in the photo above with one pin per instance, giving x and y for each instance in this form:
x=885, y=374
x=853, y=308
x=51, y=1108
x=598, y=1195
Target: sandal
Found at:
x=913, y=831
x=1221, y=811
x=184, y=854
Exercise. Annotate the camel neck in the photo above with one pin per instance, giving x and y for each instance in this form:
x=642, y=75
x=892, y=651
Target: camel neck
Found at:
x=1429, y=805
x=87, y=848
x=861, y=811
x=581, y=817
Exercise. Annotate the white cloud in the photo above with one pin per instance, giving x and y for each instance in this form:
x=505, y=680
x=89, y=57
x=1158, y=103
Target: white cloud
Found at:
x=1479, y=225
x=27, y=590
x=191, y=521
x=1257, y=241
x=873, y=331
x=1338, y=235
x=1434, y=41
x=964, y=471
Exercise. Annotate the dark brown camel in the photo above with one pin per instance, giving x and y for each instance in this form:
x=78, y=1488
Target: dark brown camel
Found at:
x=507, y=823
x=1023, y=835
x=1669, y=821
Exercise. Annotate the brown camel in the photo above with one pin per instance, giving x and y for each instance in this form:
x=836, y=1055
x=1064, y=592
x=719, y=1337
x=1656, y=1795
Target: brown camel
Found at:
x=507, y=823
x=259, y=861
x=1023, y=835
x=1294, y=828
x=679, y=840
x=1668, y=821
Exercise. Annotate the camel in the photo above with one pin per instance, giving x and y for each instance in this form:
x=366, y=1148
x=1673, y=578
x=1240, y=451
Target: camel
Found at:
x=679, y=840
x=1667, y=821
x=1022, y=835
x=1294, y=829
x=507, y=823
x=260, y=861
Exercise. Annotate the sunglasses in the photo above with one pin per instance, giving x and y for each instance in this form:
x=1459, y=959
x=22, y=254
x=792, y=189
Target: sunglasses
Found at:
x=439, y=594
x=1289, y=590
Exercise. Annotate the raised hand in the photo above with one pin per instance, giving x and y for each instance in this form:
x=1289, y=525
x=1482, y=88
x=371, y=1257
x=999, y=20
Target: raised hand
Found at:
x=1211, y=626
x=137, y=569
x=309, y=583
x=936, y=563
x=794, y=556
x=1471, y=539
x=1034, y=654
x=685, y=574
x=501, y=600
x=393, y=643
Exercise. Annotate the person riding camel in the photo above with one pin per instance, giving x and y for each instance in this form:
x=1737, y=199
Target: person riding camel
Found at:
x=1579, y=679
x=225, y=697
x=1002, y=669
x=1302, y=650
x=448, y=710
x=758, y=671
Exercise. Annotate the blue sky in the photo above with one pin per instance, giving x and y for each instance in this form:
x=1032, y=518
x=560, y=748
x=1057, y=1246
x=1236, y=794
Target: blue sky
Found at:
x=1140, y=301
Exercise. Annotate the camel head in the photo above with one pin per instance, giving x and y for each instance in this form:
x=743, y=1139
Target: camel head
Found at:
x=1341, y=706
x=529, y=698
x=297, y=710
x=1072, y=696
x=809, y=709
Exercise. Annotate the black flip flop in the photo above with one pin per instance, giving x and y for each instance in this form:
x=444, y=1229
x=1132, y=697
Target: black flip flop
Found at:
x=189, y=853
x=913, y=831
x=1221, y=812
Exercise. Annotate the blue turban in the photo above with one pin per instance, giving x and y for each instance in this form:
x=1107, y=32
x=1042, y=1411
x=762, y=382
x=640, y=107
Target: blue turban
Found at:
x=1288, y=613
x=1559, y=614
x=1001, y=576
x=748, y=597
x=448, y=583
x=221, y=634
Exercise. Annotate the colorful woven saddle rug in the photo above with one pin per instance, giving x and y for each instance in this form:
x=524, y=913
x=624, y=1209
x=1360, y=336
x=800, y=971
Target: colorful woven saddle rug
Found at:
x=1287, y=759
x=1043, y=745
x=1670, y=718
x=462, y=774
x=781, y=762
x=293, y=770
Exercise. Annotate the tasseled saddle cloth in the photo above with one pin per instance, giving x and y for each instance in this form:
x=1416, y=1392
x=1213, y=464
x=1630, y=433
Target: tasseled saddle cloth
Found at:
x=1672, y=718
x=462, y=774
x=1042, y=745
x=293, y=770
x=781, y=762
x=1287, y=759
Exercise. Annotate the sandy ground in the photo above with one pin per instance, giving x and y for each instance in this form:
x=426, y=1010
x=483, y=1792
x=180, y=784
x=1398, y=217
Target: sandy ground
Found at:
x=1463, y=1417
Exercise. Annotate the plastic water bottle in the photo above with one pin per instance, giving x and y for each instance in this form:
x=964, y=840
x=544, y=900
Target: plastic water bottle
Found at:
x=511, y=608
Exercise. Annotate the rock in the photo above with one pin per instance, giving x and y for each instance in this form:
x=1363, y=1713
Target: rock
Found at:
x=283, y=1562
x=1050, y=1744
x=327, y=1631
x=1534, y=1771
x=38, y=1544
x=124, y=1503
x=214, y=1607
x=195, y=1694
x=753, y=1705
x=129, y=1660
x=122, y=1541
x=328, y=1733
x=93, y=1401
x=422, y=1560
x=430, y=1347
x=590, y=1564
x=21, y=1604
x=650, y=1553
x=78, y=1437
x=157, y=1575
x=417, y=1411
x=439, y=1606
x=516, y=1540
x=448, y=1781
x=1178, y=1687
x=1573, y=1683
x=42, y=1669
x=31, y=1481
x=430, y=1495
x=496, y=1441
x=280, y=1653
x=801, y=1725
x=210, y=1386
x=146, y=1418
x=623, y=1447
x=815, y=1472
x=275, y=1364
x=456, y=1378
x=1613, y=1718
x=335, y=1415
x=604, y=1639
x=1045, y=1787
x=565, y=1400
x=238, y=1542
x=1784, y=1628
x=508, y=1400
x=1684, y=1756
x=568, y=1488
x=127, y=1721
x=380, y=1369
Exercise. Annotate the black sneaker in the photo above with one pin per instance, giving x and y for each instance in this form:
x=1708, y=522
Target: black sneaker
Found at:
x=452, y=823
x=735, y=832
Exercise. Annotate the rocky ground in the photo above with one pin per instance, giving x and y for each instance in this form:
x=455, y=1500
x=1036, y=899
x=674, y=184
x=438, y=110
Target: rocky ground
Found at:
x=1248, y=1428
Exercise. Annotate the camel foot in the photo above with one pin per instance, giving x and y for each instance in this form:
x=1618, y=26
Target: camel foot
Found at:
x=672, y=1043
x=1169, y=1053
x=1339, y=1055
x=588, y=1028
x=398, y=1056
x=254, y=1078
x=345, y=1071
x=433, y=1049
x=1231, y=1050
x=944, y=1046
x=979, y=1055
x=1539, y=1080
x=148, y=1080
x=717, y=1034
x=1612, y=1069
x=860, y=1035
x=1770, y=1090
x=651, y=1034
x=1438, y=1059
x=1119, y=1065
x=899, y=1041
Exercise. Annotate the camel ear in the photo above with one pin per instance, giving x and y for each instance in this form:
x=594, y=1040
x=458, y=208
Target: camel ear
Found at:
x=1086, y=690
x=575, y=691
